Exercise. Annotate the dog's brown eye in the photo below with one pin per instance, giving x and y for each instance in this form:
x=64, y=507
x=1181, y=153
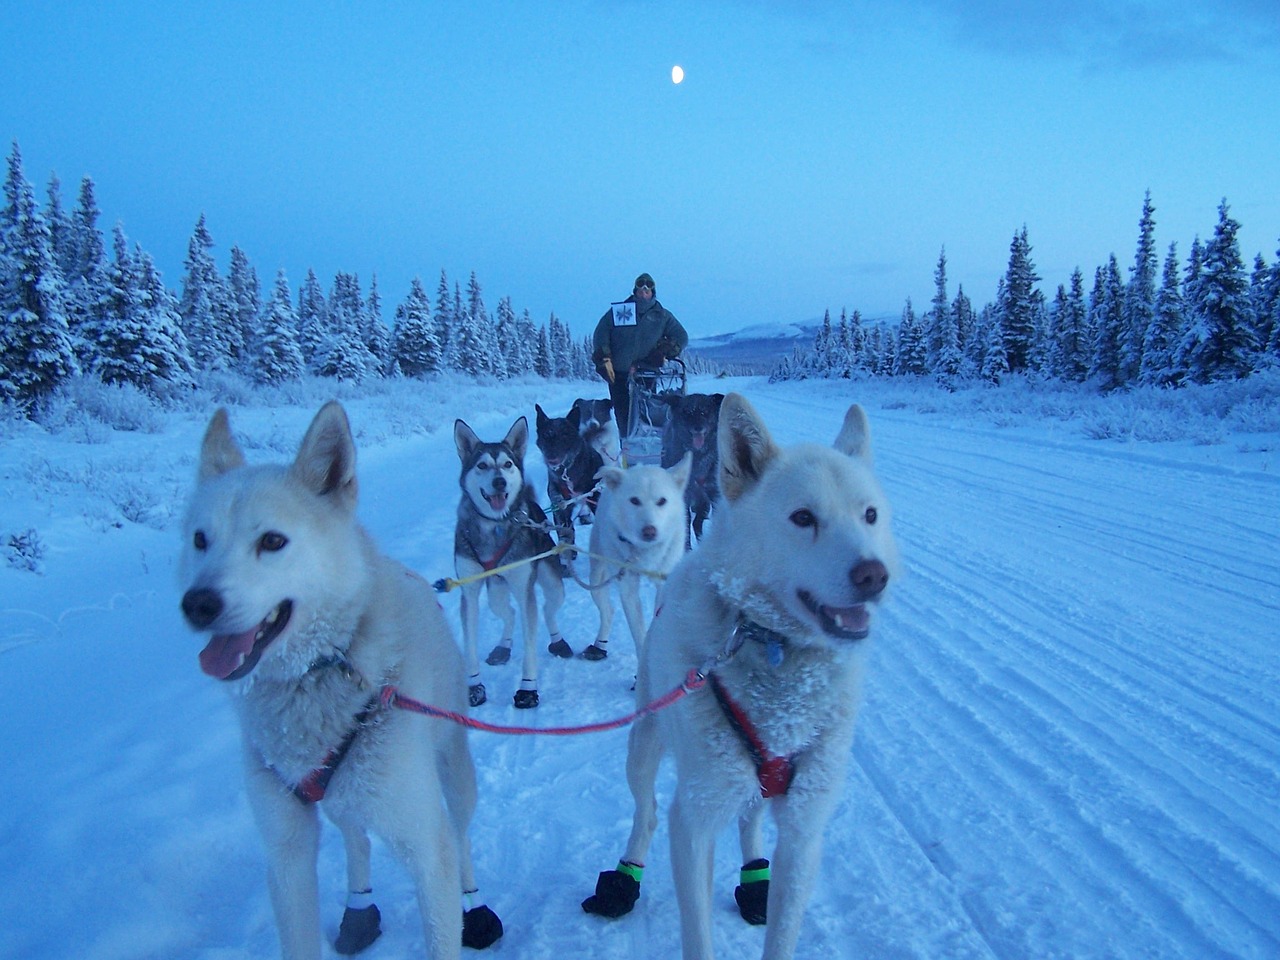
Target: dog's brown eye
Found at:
x=662, y=501
x=804, y=518
x=871, y=516
x=636, y=501
x=200, y=541
x=271, y=541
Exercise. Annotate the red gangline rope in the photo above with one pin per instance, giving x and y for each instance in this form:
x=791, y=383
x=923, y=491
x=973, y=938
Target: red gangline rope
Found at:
x=694, y=680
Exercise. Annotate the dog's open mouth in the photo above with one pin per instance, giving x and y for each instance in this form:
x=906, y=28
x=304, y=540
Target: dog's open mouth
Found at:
x=231, y=656
x=846, y=623
x=497, y=501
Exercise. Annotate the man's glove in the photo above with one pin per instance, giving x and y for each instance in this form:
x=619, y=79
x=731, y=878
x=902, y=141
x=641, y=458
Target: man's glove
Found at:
x=606, y=369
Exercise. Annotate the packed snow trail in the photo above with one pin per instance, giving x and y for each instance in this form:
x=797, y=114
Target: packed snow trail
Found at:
x=1070, y=743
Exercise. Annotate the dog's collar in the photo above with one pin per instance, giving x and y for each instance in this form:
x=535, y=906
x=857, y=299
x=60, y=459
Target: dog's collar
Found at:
x=746, y=629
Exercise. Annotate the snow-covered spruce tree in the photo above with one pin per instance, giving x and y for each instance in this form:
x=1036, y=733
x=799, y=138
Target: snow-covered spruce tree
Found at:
x=993, y=362
x=542, y=362
x=1272, y=323
x=860, y=362
x=445, y=323
x=1071, y=333
x=88, y=285
x=120, y=331
x=1160, y=344
x=913, y=351
x=945, y=358
x=313, y=321
x=208, y=319
x=526, y=346
x=245, y=299
x=1139, y=297
x=561, y=344
x=1018, y=308
x=485, y=353
x=818, y=362
x=344, y=354
x=35, y=340
x=61, y=235
x=1230, y=347
x=1106, y=310
x=167, y=355
x=415, y=348
x=1261, y=299
x=377, y=336
x=277, y=357
x=506, y=335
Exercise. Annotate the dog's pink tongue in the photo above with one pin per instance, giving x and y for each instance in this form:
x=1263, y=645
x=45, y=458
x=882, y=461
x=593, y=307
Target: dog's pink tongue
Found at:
x=225, y=652
x=498, y=501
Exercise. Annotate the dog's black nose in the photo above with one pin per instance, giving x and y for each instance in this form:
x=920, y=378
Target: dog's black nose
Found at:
x=499, y=484
x=869, y=577
x=649, y=533
x=201, y=606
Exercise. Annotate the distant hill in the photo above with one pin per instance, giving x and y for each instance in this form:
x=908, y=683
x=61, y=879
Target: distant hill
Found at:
x=755, y=349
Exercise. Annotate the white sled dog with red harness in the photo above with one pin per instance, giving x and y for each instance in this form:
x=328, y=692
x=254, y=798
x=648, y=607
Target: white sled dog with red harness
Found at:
x=774, y=608
x=307, y=621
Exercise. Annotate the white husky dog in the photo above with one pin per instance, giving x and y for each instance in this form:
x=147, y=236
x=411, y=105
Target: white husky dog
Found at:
x=638, y=531
x=308, y=622
x=773, y=608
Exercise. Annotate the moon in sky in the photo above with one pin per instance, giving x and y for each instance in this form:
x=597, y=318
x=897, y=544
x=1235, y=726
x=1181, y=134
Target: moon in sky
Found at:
x=677, y=73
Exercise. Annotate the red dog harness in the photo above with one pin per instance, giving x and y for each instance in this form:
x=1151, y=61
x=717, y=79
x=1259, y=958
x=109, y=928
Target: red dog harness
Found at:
x=313, y=786
x=774, y=773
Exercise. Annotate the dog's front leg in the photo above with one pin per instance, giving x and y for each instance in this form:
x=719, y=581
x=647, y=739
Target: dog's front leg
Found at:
x=801, y=817
x=521, y=581
x=629, y=594
x=291, y=833
x=470, y=605
x=693, y=831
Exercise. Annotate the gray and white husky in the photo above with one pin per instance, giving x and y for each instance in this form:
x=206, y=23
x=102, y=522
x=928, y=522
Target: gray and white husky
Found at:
x=501, y=525
x=774, y=606
x=307, y=622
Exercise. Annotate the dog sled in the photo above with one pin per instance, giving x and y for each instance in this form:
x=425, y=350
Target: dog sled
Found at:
x=647, y=387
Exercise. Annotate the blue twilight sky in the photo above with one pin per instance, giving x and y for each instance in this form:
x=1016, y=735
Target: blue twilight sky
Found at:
x=819, y=154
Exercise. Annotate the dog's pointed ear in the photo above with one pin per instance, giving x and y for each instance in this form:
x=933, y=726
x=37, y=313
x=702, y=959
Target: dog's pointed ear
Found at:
x=611, y=477
x=855, y=434
x=326, y=462
x=541, y=416
x=745, y=446
x=517, y=437
x=219, y=451
x=574, y=416
x=680, y=471
x=464, y=438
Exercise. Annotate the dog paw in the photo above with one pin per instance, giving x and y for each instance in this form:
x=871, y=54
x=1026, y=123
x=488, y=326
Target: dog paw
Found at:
x=594, y=652
x=525, y=699
x=561, y=649
x=498, y=655
x=480, y=928
x=476, y=694
x=359, y=929
x=616, y=893
x=753, y=895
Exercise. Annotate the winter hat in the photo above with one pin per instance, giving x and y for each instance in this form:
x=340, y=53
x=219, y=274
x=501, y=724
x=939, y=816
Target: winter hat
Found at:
x=644, y=280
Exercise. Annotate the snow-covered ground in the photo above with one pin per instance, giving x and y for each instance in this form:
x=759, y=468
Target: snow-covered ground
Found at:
x=1070, y=745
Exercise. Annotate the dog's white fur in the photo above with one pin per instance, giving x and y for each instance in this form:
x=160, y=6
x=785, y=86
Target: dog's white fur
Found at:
x=795, y=524
x=638, y=531
x=258, y=535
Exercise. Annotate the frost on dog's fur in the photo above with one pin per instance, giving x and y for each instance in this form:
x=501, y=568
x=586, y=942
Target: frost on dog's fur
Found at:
x=775, y=604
